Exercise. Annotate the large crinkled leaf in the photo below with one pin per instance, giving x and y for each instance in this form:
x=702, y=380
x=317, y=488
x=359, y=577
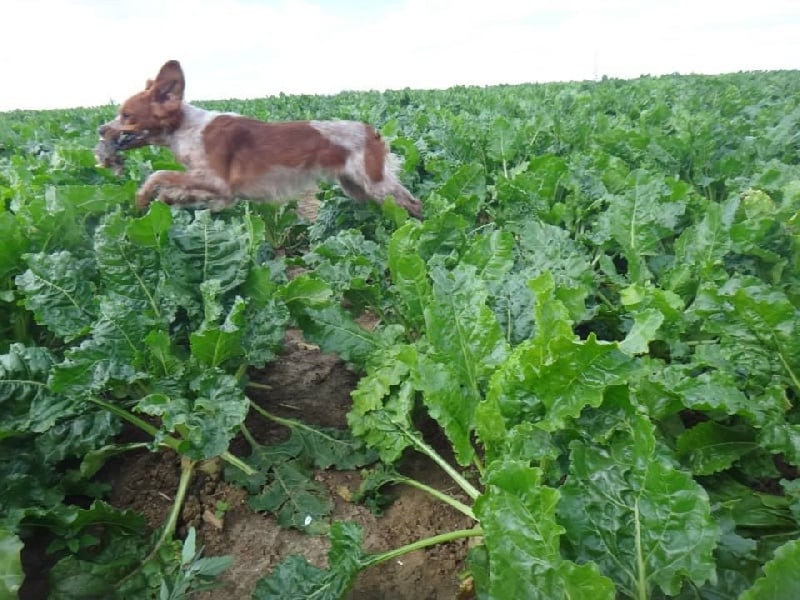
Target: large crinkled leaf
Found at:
x=638, y=220
x=462, y=330
x=657, y=315
x=206, y=248
x=206, y=415
x=112, y=354
x=493, y=255
x=26, y=403
x=547, y=248
x=383, y=401
x=780, y=575
x=509, y=297
x=60, y=291
x=352, y=265
x=467, y=344
x=628, y=507
x=552, y=379
x=328, y=447
x=130, y=272
x=265, y=330
x=334, y=330
x=522, y=537
x=757, y=326
x=700, y=250
x=409, y=275
x=296, y=579
x=293, y=496
x=710, y=447
x=674, y=387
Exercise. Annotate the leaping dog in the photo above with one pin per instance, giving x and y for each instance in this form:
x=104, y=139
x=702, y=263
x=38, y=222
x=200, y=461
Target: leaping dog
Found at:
x=228, y=156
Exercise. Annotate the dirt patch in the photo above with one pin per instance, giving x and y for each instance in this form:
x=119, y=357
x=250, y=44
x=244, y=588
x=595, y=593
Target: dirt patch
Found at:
x=309, y=385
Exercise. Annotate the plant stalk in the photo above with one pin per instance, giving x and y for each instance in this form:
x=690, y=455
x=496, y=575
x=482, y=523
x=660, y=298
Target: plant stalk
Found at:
x=462, y=482
x=187, y=470
x=166, y=440
x=443, y=538
x=457, y=504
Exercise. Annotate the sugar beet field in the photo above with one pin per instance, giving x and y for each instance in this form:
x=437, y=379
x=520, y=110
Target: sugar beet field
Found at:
x=577, y=377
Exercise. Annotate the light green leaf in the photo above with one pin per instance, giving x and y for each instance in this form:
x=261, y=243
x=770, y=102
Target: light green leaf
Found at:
x=780, y=575
x=522, y=537
x=11, y=575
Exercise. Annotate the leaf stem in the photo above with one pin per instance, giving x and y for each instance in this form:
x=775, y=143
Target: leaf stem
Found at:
x=786, y=366
x=249, y=436
x=641, y=584
x=164, y=439
x=443, y=538
x=462, y=482
x=259, y=386
x=187, y=470
x=457, y=504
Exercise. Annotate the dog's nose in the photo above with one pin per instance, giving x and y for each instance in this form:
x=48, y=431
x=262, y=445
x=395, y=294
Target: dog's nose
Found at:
x=102, y=130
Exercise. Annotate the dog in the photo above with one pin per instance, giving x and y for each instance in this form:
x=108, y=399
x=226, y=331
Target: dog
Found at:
x=228, y=156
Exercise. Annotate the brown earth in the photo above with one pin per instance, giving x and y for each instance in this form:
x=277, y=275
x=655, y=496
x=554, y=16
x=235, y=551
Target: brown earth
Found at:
x=314, y=387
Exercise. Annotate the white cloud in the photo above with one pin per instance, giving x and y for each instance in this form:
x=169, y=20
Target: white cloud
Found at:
x=87, y=52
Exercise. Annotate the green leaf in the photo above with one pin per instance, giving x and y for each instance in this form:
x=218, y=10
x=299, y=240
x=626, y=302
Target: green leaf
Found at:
x=757, y=326
x=58, y=288
x=640, y=219
x=645, y=325
x=467, y=345
x=701, y=248
x=151, y=229
x=206, y=248
x=206, y=415
x=334, y=330
x=522, y=536
x=780, y=575
x=215, y=344
x=11, y=575
x=295, y=579
x=383, y=401
x=264, y=332
x=328, y=447
x=111, y=355
x=627, y=507
x=547, y=248
x=306, y=290
x=291, y=494
x=710, y=447
x=130, y=272
x=26, y=404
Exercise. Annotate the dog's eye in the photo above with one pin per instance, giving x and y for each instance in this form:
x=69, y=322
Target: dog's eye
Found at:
x=126, y=116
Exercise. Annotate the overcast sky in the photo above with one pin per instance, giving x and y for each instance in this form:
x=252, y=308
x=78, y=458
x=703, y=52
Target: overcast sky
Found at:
x=66, y=53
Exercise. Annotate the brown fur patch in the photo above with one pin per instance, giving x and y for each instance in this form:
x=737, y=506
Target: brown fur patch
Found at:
x=240, y=149
x=374, y=155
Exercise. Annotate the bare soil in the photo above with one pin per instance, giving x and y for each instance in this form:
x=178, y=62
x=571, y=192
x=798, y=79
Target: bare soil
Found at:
x=314, y=387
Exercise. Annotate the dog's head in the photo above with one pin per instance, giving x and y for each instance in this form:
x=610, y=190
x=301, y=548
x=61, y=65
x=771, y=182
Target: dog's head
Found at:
x=147, y=117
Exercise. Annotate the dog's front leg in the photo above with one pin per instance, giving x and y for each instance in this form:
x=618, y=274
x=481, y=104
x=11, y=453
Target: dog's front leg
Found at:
x=183, y=189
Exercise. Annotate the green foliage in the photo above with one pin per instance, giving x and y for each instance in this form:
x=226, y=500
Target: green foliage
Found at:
x=599, y=313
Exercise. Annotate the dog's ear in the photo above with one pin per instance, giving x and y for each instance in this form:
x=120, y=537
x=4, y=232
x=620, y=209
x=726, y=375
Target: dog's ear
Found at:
x=167, y=89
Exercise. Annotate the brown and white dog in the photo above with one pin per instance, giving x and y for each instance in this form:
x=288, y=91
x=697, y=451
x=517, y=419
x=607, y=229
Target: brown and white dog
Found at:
x=228, y=156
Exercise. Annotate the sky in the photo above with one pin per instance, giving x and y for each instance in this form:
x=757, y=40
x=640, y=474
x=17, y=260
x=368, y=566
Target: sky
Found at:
x=70, y=53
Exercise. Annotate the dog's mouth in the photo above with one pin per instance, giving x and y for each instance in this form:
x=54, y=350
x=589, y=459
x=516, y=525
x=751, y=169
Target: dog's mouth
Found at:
x=128, y=139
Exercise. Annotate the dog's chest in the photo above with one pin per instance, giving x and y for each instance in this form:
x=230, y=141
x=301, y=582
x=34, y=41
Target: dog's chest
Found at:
x=187, y=142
